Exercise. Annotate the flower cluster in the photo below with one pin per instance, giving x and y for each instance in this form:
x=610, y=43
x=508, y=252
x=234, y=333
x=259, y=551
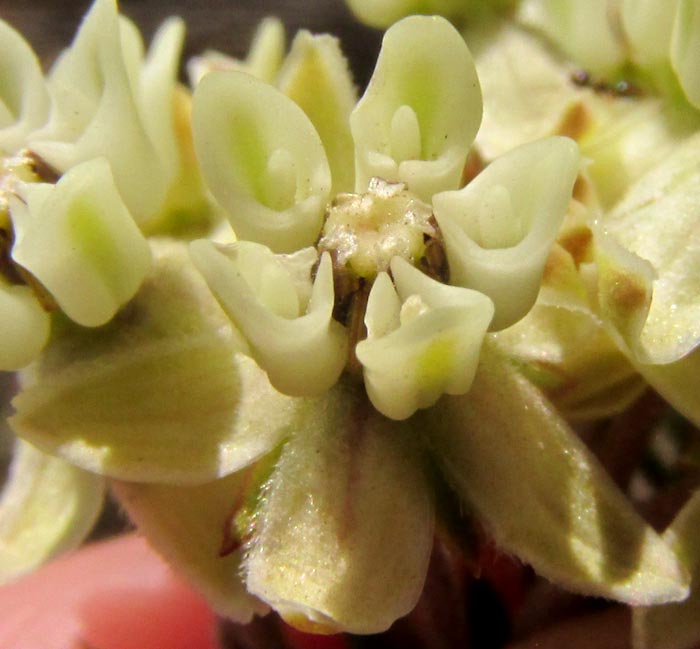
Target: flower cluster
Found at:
x=395, y=291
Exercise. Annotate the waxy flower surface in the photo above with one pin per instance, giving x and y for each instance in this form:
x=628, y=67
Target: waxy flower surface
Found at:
x=277, y=413
x=87, y=156
x=619, y=297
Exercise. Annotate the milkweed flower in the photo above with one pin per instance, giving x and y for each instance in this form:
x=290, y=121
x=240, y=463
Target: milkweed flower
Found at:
x=275, y=442
x=89, y=154
x=88, y=157
x=617, y=310
x=660, y=38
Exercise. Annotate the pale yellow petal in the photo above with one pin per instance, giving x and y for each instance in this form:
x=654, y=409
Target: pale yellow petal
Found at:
x=316, y=76
x=191, y=528
x=47, y=507
x=262, y=159
x=24, y=100
x=24, y=326
x=500, y=227
x=570, y=25
x=79, y=240
x=421, y=110
x=95, y=113
x=685, y=48
x=675, y=626
x=658, y=224
x=543, y=495
x=344, y=529
x=158, y=395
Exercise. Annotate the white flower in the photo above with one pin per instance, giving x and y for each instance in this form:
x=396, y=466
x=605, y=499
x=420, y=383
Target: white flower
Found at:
x=265, y=163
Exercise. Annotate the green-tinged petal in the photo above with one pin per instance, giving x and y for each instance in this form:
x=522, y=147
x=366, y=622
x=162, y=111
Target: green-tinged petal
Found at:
x=675, y=626
x=562, y=346
x=685, y=48
x=423, y=340
x=499, y=229
x=79, y=240
x=157, y=395
x=293, y=337
x=648, y=26
x=132, y=49
x=543, y=495
x=24, y=326
x=678, y=383
x=262, y=159
x=344, y=528
x=568, y=354
x=24, y=100
x=157, y=86
x=578, y=366
x=382, y=13
x=527, y=92
x=626, y=139
x=421, y=110
x=657, y=226
x=95, y=112
x=266, y=52
x=188, y=527
x=264, y=58
x=46, y=507
x=188, y=210
x=625, y=289
x=571, y=23
x=316, y=76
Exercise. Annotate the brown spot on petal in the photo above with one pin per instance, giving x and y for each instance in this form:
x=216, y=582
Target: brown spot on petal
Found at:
x=584, y=191
x=578, y=242
x=575, y=122
x=558, y=262
x=43, y=170
x=473, y=166
x=627, y=292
